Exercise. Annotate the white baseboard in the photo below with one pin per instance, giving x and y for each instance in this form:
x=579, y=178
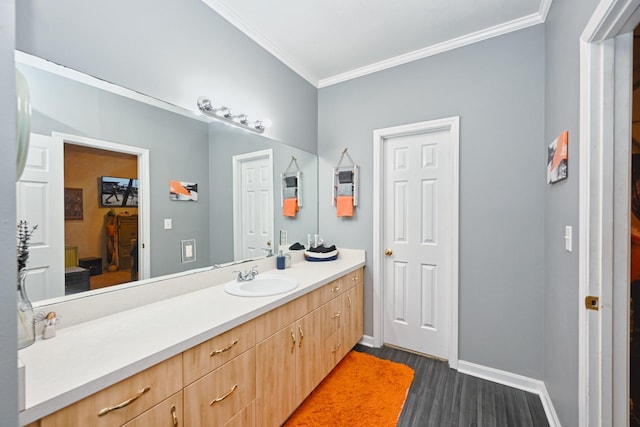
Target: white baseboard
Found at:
x=516, y=381
x=366, y=341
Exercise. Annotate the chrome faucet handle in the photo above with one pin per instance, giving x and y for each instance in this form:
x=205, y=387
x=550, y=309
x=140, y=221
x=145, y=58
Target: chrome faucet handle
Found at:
x=240, y=276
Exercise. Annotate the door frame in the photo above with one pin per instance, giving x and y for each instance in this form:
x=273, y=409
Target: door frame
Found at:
x=452, y=125
x=144, y=193
x=606, y=47
x=236, y=162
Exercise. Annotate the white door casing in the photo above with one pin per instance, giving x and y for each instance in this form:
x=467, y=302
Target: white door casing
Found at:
x=416, y=217
x=605, y=135
x=40, y=196
x=144, y=191
x=253, y=204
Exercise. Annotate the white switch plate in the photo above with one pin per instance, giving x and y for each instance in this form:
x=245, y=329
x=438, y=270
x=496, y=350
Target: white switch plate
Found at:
x=568, y=235
x=168, y=224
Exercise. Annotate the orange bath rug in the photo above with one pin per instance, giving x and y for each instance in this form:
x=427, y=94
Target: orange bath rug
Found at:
x=361, y=391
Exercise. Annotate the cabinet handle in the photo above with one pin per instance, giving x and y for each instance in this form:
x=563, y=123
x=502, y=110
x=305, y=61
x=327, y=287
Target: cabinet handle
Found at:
x=301, y=336
x=349, y=299
x=335, y=316
x=220, y=399
x=293, y=341
x=174, y=415
x=127, y=402
x=337, y=348
x=335, y=288
x=222, y=350
x=354, y=278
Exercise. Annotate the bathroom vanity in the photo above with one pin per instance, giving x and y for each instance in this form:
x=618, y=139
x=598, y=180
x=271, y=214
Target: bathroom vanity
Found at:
x=202, y=358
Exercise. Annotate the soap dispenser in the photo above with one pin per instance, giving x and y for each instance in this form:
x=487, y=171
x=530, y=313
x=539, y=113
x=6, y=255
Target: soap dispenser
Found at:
x=280, y=262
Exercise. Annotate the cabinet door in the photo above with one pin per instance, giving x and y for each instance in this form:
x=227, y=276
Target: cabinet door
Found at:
x=309, y=370
x=218, y=396
x=164, y=414
x=353, y=322
x=275, y=377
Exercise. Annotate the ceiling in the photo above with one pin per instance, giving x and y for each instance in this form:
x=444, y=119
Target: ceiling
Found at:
x=329, y=41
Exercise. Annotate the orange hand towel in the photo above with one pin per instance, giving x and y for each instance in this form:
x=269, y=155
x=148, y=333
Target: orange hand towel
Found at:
x=290, y=207
x=344, y=205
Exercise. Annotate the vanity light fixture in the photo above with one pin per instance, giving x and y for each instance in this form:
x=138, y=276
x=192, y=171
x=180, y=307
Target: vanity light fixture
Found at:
x=223, y=114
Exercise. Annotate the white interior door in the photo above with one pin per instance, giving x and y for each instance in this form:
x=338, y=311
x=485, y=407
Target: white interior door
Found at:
x=417, y=240
x=40, y=201
x=253, y=204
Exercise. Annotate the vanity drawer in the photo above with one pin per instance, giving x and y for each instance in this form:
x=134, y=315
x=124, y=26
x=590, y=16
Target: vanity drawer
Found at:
x=152, y=386
x=271, y=322
x=204, y=358
x=218, y=396
x=340, y=285
x=164, y=414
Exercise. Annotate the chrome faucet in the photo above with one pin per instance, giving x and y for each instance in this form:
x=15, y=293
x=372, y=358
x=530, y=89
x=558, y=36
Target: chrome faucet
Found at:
x=269, y=251
x=247, y=275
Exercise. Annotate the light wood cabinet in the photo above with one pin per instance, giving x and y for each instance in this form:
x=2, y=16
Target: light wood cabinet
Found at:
x=217, y=397
x=261, y=370
x=122, y=401
x=294, y=360
x=204, y=358
x=165, y=414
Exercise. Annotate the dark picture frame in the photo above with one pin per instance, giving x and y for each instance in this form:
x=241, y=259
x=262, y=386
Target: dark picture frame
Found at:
x=73, y=208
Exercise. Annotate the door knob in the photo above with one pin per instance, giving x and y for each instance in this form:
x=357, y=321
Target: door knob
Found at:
x=388, y=252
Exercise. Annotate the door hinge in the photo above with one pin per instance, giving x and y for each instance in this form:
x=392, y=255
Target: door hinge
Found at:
x=592, y=303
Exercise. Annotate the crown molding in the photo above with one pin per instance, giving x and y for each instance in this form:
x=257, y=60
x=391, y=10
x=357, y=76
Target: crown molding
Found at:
x=498, y=30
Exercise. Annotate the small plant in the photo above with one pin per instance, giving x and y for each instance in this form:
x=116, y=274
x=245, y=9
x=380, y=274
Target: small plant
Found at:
x=23, y=236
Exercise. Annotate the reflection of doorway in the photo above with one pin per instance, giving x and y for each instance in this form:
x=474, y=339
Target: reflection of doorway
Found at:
x=92, y=161
x=252, y=204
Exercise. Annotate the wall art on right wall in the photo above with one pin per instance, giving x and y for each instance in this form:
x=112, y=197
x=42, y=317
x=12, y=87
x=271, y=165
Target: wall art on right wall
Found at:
x=557, y=158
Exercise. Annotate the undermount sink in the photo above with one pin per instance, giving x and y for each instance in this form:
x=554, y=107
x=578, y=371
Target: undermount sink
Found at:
x=261, y=286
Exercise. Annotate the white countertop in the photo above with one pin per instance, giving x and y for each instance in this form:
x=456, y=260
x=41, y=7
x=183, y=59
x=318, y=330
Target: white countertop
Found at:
x=87, y=357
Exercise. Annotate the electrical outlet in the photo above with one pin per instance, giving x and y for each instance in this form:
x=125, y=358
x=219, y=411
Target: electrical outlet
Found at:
x=283, y=237
x=188, y=250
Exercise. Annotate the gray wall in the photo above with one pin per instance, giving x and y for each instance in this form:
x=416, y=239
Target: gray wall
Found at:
x=567, y=19
x=8, y=327
x=175, y=51
x=226, y=142
x=497, y=89
x=178, y=149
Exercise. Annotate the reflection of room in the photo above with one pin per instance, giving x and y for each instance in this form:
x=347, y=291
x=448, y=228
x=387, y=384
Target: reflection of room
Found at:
x=98, y=247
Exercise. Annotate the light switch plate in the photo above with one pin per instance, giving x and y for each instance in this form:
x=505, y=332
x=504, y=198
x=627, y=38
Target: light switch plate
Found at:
x=168, y=224
x=188, y=250
x=568, y=237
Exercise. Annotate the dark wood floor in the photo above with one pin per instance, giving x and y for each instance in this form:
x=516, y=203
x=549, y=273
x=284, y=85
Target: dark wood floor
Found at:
x=440, y=396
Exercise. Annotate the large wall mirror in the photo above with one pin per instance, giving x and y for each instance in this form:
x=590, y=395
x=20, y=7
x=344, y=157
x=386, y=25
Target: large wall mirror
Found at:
x=106, y=133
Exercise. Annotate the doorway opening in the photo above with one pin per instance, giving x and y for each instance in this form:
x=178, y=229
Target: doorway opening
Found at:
x=102, y=235
x=110, y=238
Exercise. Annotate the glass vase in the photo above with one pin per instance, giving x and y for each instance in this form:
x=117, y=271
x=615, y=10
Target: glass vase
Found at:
x=26, y=322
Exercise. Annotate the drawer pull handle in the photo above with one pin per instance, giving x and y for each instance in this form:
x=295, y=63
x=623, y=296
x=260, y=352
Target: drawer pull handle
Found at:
x=220, y=399
x=349, y=299
x=127, y=402
x=301, y=336
x=222, y=350
x=354, y=278
x=293, y=341
x=335, y=316
x=174, y=415
x=335, y=288
x=336, y=349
